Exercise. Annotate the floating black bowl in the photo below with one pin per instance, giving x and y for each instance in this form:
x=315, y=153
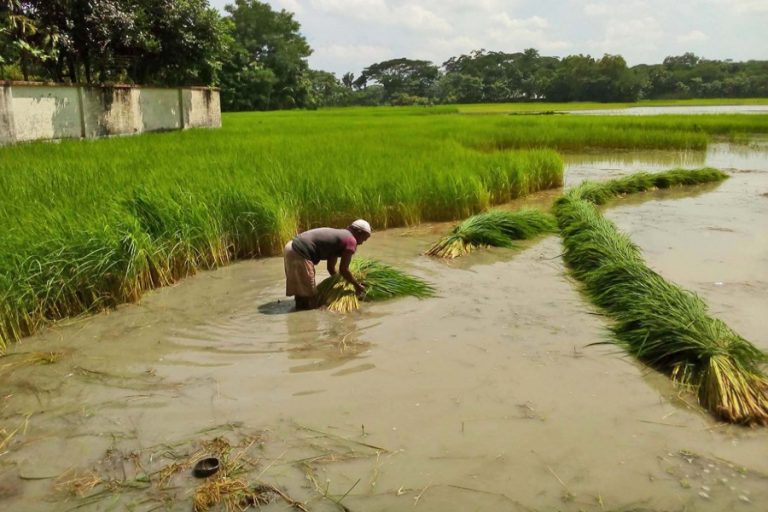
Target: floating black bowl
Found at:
x=206, y=467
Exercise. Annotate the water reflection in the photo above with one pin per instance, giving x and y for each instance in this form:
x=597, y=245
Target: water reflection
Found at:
x=277, y=307
x=675, y=110
x=330, y=344
x=599, y=165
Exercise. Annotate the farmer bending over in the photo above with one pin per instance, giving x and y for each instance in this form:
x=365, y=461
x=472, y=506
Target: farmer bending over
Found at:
x=307, y=250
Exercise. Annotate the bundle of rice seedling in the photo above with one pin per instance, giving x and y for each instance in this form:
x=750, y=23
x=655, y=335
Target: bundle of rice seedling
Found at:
x=658, y=322
x=602, y=192
x=495, y=228
x=382, y=282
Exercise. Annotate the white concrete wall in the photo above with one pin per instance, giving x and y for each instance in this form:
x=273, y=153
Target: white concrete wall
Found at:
x=160, y=109
x=202, y=108
x=111, y=111
x=36, y=111
x=45, y=112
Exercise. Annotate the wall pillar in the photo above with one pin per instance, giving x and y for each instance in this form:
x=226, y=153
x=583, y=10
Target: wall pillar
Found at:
x=7, y=127
x=81, y=110
x=181, y=108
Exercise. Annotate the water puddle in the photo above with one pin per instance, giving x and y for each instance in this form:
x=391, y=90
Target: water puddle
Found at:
x=675, y=110
x=486, y=397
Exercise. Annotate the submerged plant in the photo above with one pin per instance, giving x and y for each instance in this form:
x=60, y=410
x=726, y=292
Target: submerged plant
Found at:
x=658, y=322
x=496, y=228
x=381, y=280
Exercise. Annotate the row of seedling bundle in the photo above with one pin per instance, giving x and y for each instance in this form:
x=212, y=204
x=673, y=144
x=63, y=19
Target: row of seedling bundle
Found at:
x=656, y=321
x=661, y=324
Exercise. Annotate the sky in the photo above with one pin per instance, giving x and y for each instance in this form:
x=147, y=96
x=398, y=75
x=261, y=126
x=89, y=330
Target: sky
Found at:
x=348, y=35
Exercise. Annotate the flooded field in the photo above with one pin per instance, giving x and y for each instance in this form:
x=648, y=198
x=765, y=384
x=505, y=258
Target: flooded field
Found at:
x=489, y=397
x=685, y=110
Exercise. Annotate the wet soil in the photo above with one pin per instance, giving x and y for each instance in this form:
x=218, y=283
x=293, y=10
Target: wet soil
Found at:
x=489, y=397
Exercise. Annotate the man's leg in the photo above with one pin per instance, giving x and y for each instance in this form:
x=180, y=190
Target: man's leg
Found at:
x=304, y=303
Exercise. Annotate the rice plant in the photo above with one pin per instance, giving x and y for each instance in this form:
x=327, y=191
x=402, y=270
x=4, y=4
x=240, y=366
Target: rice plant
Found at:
x=381, y=282
x=496, y=228
x=601, y=192
x=88, y=225
x=661, y=324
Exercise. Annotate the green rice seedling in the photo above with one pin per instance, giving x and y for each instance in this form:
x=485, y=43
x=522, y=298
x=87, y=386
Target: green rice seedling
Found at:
x=382, y=282
x=536, y=107
x=91, y=224
x=661, y=324
x=496, y=228
x=601, y=192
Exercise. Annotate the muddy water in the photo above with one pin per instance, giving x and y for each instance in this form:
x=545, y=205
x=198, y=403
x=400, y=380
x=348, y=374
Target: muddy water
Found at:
x=488, y=397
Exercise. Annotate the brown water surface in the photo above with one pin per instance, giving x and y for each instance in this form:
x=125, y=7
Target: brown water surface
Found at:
x=489, y=397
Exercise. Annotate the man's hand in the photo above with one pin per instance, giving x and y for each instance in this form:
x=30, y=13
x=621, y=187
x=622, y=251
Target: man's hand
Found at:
x=361, y=291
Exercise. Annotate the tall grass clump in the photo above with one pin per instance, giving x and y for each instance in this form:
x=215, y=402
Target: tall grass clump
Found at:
x=576, y=133
x=658, y=322
x=382, y=282
x=496, y=228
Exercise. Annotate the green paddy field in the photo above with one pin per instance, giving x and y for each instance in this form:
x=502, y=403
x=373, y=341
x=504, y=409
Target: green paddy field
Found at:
x=92, y=224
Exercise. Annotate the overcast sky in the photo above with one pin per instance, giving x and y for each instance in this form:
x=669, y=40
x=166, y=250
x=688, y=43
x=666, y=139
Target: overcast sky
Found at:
x=348, y=35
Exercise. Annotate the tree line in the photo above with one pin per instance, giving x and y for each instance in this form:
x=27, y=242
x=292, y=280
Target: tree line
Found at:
x=259, y=59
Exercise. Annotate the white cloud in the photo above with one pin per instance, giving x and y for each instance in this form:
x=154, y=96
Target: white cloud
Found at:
x=418, y=18
x=354, y=56
x=356, y=9
x=622, y=35
x=617, y=8
x=348, y=35
x=694, y=36
x=449, y=47
x=293, y=6
x=514, y=34
x=532, y=23
x=597, y=9
x=409, y=15
x=749, y=6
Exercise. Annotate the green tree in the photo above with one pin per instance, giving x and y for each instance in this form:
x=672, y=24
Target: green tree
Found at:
x=460, y=88
x=266, y=66
x=402, y=78
x=348, y=79
x=25, y=44
x=168, y=42
x=613, y=81
x=326, y=90
x=176, y=42
x=572, y=79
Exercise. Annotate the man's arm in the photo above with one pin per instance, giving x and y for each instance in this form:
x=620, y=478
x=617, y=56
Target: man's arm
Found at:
x=346, y=258
x=332, y=265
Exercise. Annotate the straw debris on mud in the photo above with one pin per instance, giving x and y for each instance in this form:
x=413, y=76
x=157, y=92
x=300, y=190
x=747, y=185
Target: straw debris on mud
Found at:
x=161, y=475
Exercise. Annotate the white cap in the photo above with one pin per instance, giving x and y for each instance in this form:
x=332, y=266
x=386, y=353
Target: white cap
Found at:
x=361, y=225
